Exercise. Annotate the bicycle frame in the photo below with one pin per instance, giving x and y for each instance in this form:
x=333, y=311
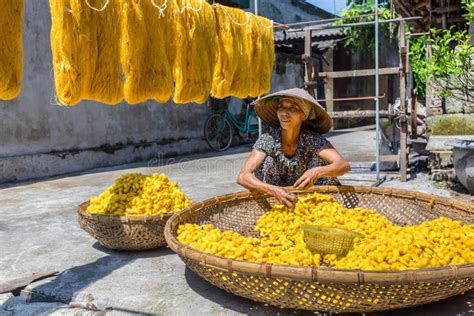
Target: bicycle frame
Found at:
x=245, y=126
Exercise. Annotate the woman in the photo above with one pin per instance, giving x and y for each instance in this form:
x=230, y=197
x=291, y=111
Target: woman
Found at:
x=294, y=153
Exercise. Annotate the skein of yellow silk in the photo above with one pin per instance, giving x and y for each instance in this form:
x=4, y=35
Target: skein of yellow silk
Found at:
x=191, y=47
x=193, y=66
x=106, y=85
x=11, y=51
x=245, y=54
x=267, y=54
x=228, y=48
x=241, y=56
x=70, y=42
x=85, y=47
x=145, y=58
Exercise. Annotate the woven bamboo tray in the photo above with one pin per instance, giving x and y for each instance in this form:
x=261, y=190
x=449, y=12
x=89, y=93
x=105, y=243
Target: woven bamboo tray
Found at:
x=325, y=289
x=124, y=232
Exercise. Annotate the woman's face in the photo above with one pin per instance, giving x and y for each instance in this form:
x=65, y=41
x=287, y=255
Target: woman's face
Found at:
x=290, y=114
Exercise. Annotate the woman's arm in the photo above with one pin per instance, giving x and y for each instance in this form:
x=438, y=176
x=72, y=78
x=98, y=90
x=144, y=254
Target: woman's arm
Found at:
x=248, y=180
x=337, y=166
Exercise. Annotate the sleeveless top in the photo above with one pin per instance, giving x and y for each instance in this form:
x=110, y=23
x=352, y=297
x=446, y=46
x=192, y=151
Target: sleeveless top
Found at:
x=277, y=169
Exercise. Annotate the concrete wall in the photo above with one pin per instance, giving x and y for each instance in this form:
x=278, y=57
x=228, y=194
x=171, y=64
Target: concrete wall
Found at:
x=39, y=138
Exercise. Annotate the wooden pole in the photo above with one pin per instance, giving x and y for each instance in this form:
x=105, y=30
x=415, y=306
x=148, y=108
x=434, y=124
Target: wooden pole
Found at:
x=308, y=63
x=429, y=86
x=414, y=119
x=329, y=82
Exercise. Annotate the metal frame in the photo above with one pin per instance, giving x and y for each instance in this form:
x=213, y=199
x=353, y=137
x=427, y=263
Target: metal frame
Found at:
x=312, y=77
x=377, y=92
x=340, y=26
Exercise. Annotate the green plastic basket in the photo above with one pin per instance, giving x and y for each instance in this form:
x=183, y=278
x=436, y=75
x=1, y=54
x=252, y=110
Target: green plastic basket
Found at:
x=329, y=240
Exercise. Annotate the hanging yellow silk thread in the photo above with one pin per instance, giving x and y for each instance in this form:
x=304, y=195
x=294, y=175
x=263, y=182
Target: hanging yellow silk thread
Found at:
x=267, y=54
x=241, y=24
x=106, y=84
x=85, y=46
x=11, y=52
x=144, y=51
x=228, y=49
x=245, y=54
x=196, y=37
x=159, y=45
x=70, y=42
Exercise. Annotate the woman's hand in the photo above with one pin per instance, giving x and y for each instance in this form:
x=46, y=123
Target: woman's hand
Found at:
x=337, y=166
x=247, y=179
x=307, y=179
x=282, y=195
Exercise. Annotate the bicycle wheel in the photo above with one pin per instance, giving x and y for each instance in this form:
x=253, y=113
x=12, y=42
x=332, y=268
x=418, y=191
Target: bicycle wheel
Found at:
x=218, y=132
x=248, y=137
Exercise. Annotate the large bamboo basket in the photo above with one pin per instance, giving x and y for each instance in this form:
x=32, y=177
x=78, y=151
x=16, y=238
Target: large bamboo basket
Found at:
x=124, y=232
x=325, y=289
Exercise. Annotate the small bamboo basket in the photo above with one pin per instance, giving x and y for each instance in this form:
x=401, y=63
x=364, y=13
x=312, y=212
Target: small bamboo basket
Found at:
x=124, y=232
x=321, y=288
x=329, y=240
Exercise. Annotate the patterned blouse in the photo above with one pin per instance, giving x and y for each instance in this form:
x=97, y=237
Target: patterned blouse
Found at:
x=277, y=169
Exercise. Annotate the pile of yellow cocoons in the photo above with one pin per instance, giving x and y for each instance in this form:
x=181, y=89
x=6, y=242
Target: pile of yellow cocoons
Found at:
x=138, y=194
x=386, y=246
x=140, y=50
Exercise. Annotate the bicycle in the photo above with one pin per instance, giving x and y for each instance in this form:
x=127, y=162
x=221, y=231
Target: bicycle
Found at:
x=219, y=127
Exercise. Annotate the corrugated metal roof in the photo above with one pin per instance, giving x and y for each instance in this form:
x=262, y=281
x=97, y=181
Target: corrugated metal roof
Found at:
x=294, y=41
x=283, y=36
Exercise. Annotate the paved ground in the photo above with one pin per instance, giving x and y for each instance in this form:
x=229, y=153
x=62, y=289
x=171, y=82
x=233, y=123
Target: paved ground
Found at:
x=39, y=233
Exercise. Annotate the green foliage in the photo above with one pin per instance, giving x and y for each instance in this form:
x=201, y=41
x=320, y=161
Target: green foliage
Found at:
x=469, y=5
x=451, y=66
x=418, y=64
x=364, y=37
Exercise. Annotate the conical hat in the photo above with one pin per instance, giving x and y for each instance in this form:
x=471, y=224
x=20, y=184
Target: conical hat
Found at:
x=318, y=119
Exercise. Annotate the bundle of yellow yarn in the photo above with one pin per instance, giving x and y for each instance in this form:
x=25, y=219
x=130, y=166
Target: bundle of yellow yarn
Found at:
x=11, y=52
x=245, y=54
x=138, y=194
x=144, y=52
x=196, y=51
x=110, y=50
x=386, y=246
x=86, y=51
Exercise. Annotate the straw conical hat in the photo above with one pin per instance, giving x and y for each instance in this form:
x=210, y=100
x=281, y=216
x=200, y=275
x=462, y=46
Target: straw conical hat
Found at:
x=318, y=119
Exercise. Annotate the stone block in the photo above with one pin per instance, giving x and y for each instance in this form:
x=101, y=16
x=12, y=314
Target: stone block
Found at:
x=459, y=103
x=442, y=175
x=440, y=160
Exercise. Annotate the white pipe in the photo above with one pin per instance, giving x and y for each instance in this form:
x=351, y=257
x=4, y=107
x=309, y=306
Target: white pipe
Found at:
x=259, y=120
x=377, y=92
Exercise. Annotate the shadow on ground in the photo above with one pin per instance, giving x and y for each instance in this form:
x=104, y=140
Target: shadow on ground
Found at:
x=63, y=288
x=461, y=305
x=233, y=302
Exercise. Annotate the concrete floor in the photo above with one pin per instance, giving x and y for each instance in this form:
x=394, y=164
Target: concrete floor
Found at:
x=39, y=233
